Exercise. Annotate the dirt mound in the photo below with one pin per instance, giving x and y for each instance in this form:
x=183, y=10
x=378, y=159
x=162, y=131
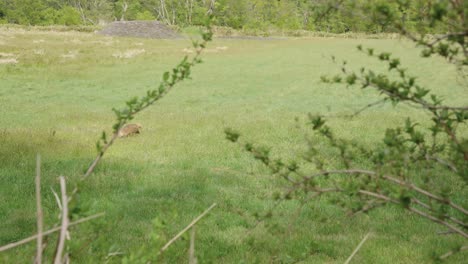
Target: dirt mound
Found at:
x=139, y=29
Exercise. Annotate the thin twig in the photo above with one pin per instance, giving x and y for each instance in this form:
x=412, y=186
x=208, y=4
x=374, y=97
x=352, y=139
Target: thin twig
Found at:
x=48, y=232
x=99, y=156
x=450, y=253
x=394, y=180
x=40, y=216
x=416, y=211
x=57, y=199
x=106, y=146
x=367, y=107
x=187, y=228
x=408, y=185
x=437, y=220
x=357, y=248
x=455, y=220
x=428, y=194
x=370, y=206
x=443, y=162
x=448, y=232
x=65, y=222
x=192, y=258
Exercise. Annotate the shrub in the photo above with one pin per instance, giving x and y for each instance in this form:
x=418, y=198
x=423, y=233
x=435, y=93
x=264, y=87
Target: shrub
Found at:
x=68, y=16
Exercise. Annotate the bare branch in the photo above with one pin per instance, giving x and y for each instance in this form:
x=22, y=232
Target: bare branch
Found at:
x=437, y=220
x=186, y=228
x=370, y=206
x=449, y=232
x=65, y=222
x=40, y=216
x=192, y=257
x=450, y=253
x=418, y=202
x=443, y=162
x=48, y=232
x=416, y=211
x=350, y=171
x=394, y=180
x=57, y=199
x=357, y=248
x=379, y=102
x=426, y=193
x=161, y=94
x=98, y=158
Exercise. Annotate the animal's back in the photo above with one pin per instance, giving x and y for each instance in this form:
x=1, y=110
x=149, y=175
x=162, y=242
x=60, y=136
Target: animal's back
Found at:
x=130, y=129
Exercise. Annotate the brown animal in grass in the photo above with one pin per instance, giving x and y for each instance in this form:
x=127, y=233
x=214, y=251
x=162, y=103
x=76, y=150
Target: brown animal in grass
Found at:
x=129, y=130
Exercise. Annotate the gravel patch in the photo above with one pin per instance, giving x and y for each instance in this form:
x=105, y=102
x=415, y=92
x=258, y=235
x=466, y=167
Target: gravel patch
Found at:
x=139, y=29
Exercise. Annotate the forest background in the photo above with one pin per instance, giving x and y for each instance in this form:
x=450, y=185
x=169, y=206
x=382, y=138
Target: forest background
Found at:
x=336, y=16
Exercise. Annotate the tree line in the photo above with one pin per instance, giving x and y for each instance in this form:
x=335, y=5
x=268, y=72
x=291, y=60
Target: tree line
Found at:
x=337, y=16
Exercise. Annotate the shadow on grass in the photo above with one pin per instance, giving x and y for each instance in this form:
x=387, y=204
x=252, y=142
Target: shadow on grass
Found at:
x=131, y=193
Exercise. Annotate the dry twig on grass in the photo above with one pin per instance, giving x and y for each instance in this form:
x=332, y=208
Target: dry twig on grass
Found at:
x=195, y=221
x=48, y=232
x=192, y=257
x=357, y=249
x=40, y=216
x=450, y=253
x=65, y=222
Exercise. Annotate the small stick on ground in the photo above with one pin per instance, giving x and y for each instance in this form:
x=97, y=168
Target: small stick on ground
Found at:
x=48, y=232
x=192, y=258
x=65, y=222
x=40, y=216
x=448, y=232
x=450, y=253
x=357, y=249
x=187, y=228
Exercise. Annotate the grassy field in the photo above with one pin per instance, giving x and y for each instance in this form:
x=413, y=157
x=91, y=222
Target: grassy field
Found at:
x=57, y=98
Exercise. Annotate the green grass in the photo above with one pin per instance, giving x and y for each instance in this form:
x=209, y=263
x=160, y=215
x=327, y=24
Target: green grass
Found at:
x=57, y=106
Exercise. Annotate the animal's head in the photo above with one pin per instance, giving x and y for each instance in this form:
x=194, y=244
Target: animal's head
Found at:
x=138, y=125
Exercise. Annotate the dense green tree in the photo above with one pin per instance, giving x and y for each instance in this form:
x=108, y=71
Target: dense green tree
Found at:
x=322, y=15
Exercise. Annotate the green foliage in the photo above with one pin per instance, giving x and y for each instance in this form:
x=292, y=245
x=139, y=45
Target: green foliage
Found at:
x=148, y=251
x=181, y=163
x=405, y=169
x=145, y=15
x=68, y=16
x=336, y=16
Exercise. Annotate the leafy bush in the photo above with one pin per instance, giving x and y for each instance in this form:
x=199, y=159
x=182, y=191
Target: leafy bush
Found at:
x=68, y=16
x=421, y=167
x=145, y=15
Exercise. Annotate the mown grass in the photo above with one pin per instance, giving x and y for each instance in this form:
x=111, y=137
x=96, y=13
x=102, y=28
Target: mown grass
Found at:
x=58, y=105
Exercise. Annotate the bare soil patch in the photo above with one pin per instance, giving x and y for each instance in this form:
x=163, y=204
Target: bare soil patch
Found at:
x=139, y=29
